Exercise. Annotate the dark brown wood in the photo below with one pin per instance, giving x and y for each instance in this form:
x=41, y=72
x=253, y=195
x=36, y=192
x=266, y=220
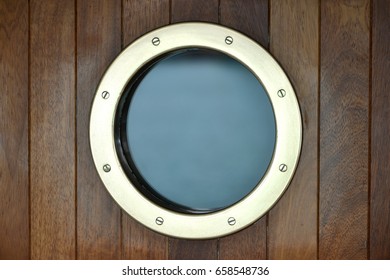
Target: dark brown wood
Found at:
x=14, y=188
x=251, y=18
x=294, y=35
x=140, y=243
x=66, y=59
x=248, y=244
x=194, y=10
x=344, y=129
x=98, y=43
x=380, y=132
x=52, y=115
x=139, y=17
x=181, y=249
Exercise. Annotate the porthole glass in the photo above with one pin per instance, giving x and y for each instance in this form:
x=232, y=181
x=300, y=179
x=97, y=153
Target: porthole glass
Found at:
x=196, y=131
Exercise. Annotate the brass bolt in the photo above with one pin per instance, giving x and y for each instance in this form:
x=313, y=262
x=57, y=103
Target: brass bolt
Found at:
x=229, y=40
x=159, y=221
x=106, y=168
x=156, y=41
x=231, y=221
x=281, y=93
x=105, y=94
x=283, y=167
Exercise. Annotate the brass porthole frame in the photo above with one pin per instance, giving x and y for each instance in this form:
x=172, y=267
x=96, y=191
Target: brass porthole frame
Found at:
x=287, y=117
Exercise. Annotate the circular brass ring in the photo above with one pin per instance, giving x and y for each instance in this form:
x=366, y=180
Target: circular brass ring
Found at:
x=287, y=117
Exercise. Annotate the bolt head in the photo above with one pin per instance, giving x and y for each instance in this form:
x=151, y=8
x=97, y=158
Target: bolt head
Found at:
x=281, y=93
x=283, y=167
x=231, y=221
x=159, y=221
x=105, y=94
x=229, y=40
x=156, y=41
x=106, y=168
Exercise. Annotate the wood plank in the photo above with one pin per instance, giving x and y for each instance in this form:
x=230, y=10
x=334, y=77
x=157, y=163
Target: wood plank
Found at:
x=182, y=249
x=98, y=43
x=194, y=10
x=248, y=244
x=251, y=18
x=140, y=243
x=380, y=132
x=294, y=29
x=52, y=115
x=139, y=17
x=14, y=187
x=344, y=129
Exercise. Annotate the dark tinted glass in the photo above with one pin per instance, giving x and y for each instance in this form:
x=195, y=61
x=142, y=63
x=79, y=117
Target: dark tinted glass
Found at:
x=200, y=130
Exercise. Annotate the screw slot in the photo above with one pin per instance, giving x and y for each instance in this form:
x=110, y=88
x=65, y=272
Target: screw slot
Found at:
x=106, y=168
x=281, y=93
x=231, y=221
x=156, y=41
x=229, y=40
x=105, y=94
x=159, y=221
x=283, y=167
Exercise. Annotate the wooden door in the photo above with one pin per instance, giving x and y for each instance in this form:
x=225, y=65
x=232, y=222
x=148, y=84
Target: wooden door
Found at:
x=52, y=55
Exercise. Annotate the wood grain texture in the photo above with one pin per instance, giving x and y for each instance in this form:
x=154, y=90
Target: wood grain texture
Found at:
x=181, y=249
x=344, y=129
x=68, y=48
x=380, y=132
x=98, y=43
x=139, y=17
x=248, y=244
x=251, y=18
x=194, y=10
x=140, y=243
x=52, y=115
x=14, y=187
x=294, y=31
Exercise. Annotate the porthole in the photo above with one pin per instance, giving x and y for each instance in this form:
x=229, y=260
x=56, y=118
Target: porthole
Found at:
x=195, y=130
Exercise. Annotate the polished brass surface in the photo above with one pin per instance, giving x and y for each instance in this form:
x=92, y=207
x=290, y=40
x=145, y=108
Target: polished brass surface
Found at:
x=287, y=116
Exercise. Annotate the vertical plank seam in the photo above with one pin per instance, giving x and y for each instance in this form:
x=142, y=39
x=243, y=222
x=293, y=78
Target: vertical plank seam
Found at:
x=170, y=11
x=75, y=128
x=122, y=38
x=168, y=247
x=269, y=26
x=29, y=127
x=121, y=234
x=218, y=248
x=368, y=244
x=219, y=11
x=266, y=237
x=318, y=128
